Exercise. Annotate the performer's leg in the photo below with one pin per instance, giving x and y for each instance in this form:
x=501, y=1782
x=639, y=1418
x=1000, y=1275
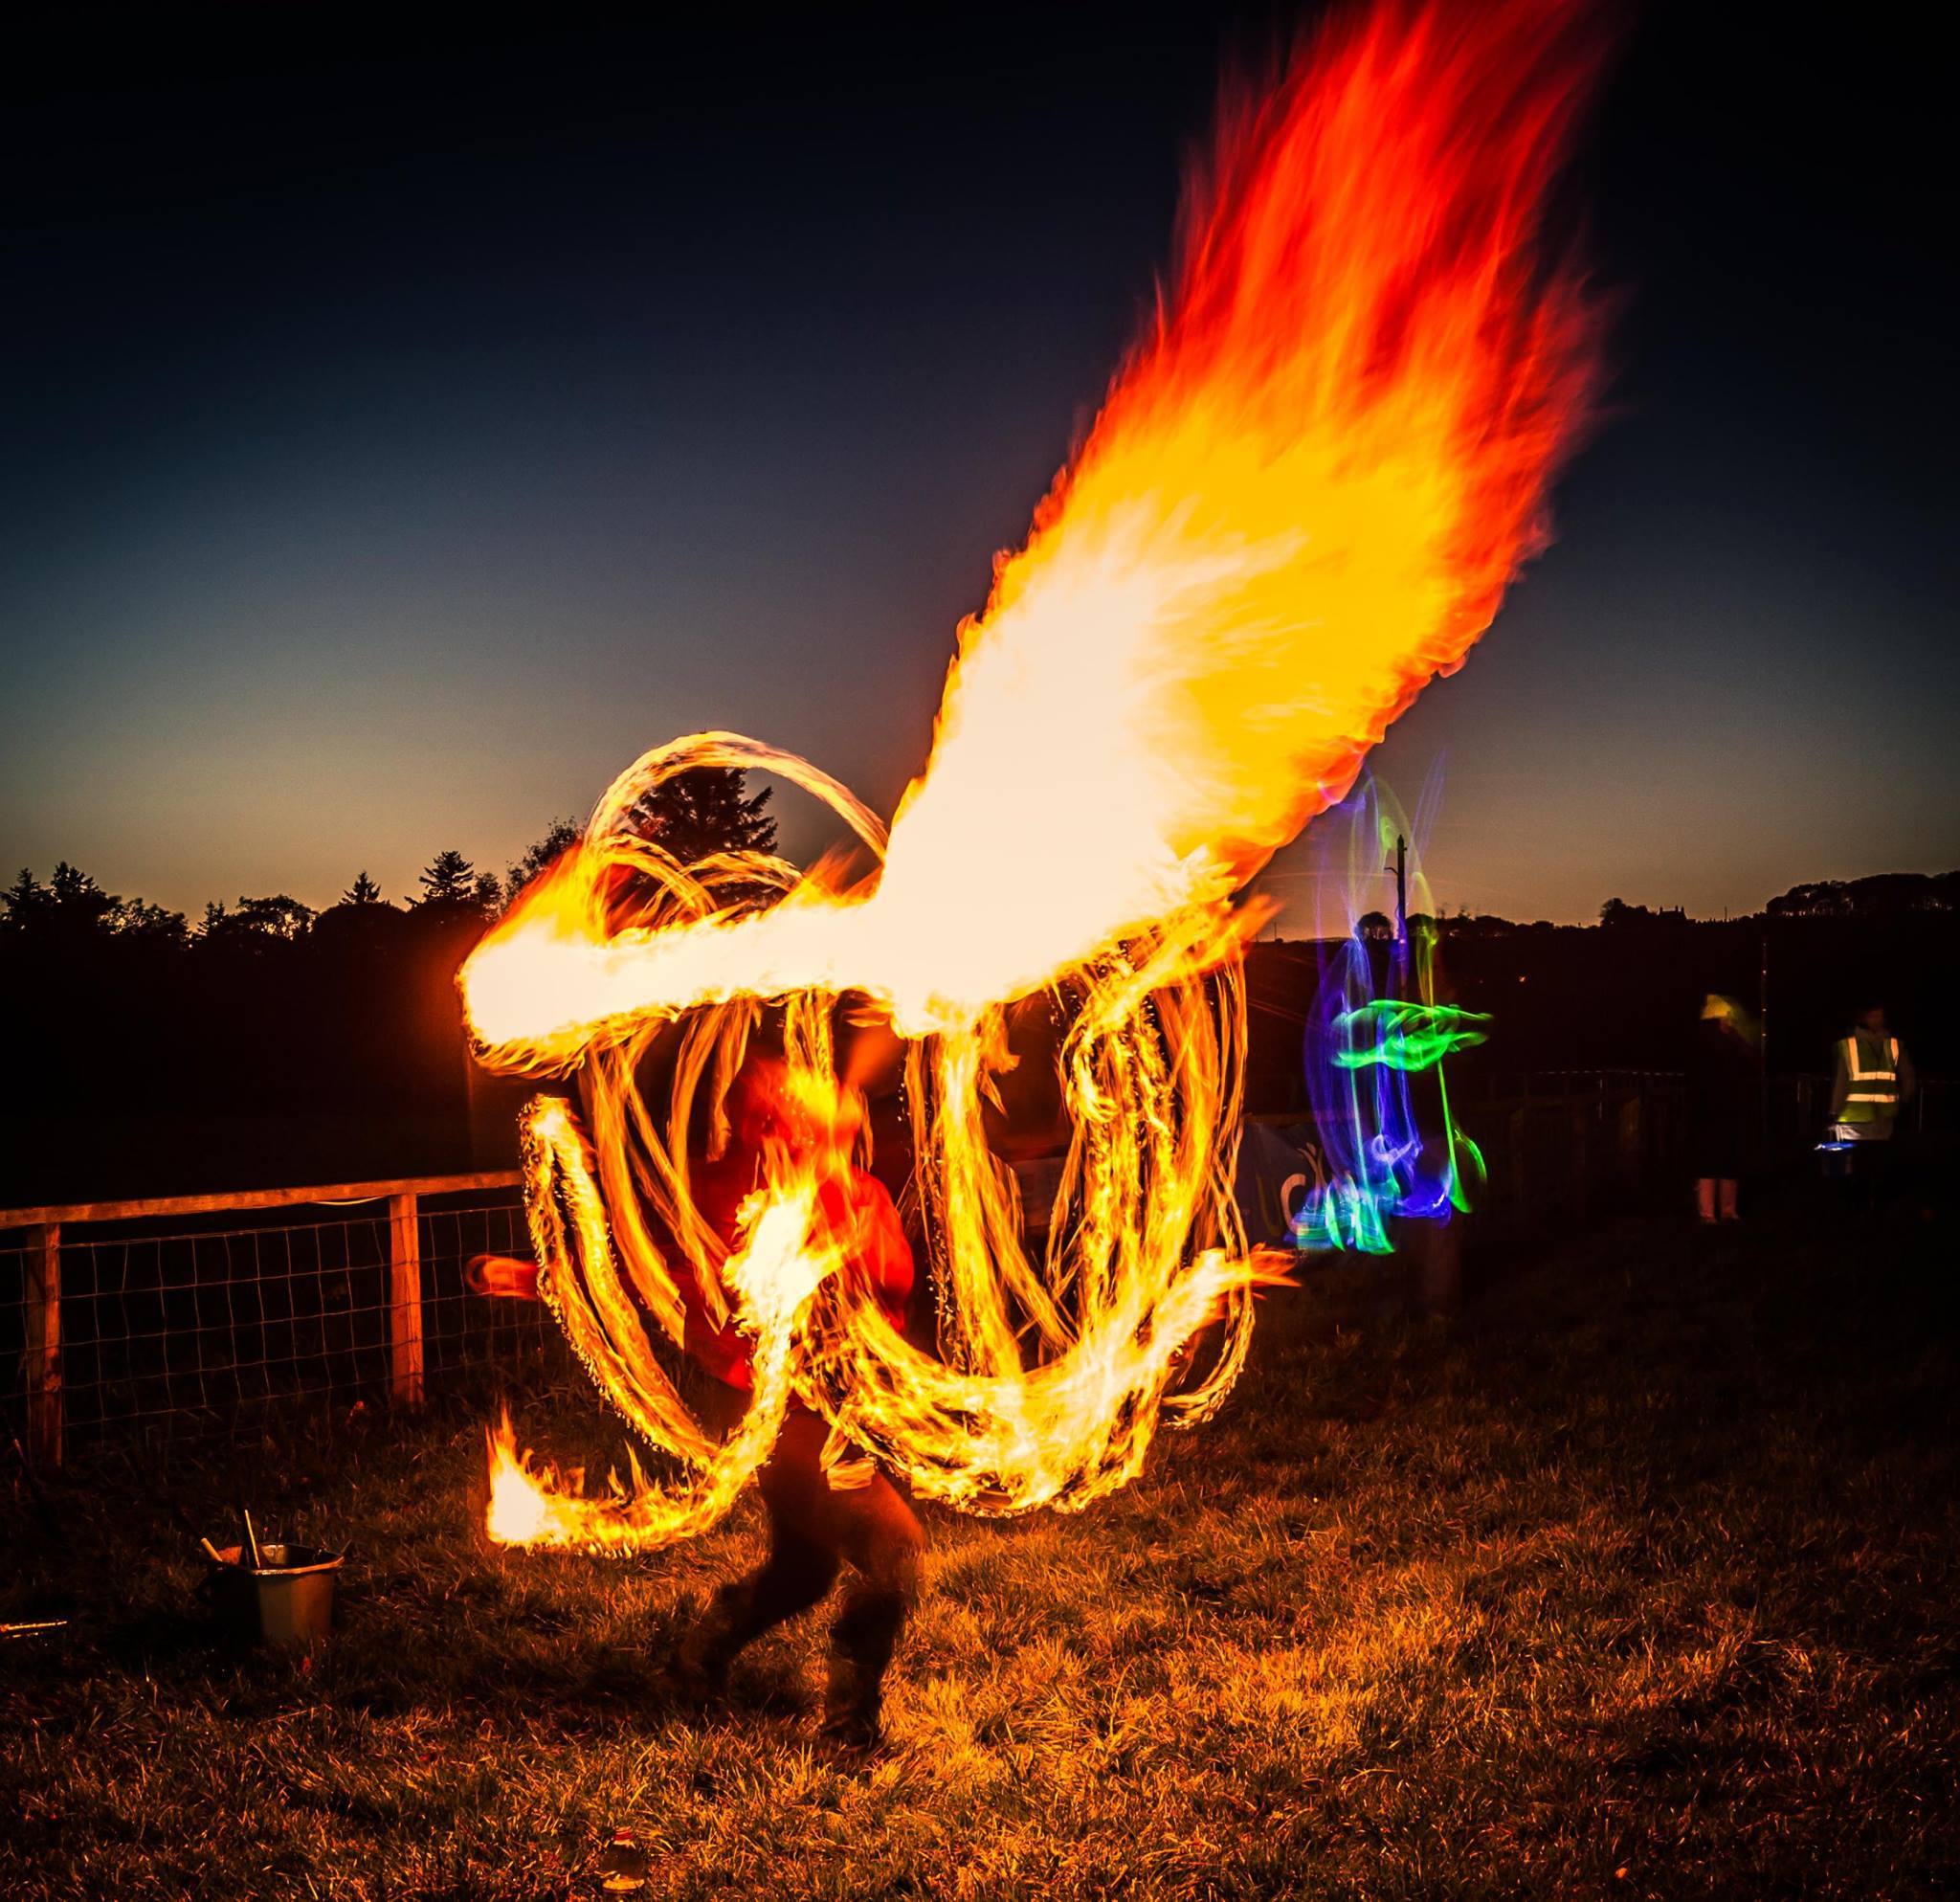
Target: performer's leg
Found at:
x=801, y=1567
x=882, y=1538
x=813, y=1529
x=797, y=1573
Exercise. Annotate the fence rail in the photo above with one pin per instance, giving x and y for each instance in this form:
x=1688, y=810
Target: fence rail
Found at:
x=147, y=1313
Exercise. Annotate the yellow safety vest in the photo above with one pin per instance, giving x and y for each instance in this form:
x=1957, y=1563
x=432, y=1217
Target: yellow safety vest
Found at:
x=1874, y=1094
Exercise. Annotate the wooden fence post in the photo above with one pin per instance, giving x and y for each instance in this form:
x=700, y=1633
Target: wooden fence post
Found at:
x=1631, y=1156
x=405, y=1300
x=44, y=1344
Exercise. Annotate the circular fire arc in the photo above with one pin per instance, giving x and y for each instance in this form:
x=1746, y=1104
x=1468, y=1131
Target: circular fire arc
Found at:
x=1303, y=497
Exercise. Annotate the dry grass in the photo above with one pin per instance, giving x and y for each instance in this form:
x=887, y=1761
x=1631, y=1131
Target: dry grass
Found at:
x=1639, y=1581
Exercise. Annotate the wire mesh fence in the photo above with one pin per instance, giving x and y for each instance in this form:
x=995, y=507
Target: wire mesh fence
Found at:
x=187, y=1327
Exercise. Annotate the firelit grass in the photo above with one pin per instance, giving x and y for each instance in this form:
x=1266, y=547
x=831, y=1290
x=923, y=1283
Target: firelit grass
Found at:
x=1638, y=1580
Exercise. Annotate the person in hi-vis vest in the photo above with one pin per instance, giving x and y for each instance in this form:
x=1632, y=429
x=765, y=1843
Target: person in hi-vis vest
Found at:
x=1874, y=1080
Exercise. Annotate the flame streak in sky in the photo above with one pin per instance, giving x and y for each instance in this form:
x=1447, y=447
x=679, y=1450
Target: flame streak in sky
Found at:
x=1306, y=490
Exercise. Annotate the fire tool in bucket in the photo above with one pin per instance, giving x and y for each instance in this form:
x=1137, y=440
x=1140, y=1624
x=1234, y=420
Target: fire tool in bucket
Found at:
x=273, y=1592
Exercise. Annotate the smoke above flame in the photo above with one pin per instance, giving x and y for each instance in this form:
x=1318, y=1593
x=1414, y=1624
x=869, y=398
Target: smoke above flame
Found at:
x=1305, y=495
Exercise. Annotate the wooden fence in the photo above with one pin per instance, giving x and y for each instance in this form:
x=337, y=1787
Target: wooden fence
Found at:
x=44, y=1229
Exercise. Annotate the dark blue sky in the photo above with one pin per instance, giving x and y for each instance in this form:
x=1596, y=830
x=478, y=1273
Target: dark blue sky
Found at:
x=403, y=431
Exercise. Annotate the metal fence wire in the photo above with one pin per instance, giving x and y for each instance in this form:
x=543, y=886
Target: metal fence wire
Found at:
x=193, y=1327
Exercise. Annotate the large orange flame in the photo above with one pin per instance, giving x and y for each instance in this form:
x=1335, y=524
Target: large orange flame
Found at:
x=1303, y=498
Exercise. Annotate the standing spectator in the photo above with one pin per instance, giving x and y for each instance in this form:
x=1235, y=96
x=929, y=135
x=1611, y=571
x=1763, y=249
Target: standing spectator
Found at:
x=1724, y=1105
x=1874, y=1082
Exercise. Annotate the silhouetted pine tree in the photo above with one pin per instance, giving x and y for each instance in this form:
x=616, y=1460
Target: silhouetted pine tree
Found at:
x=706, y=810
x=450, y=879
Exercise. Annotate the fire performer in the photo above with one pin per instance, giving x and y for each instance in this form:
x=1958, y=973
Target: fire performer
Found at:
x=824, y=1514
x=1302, y=498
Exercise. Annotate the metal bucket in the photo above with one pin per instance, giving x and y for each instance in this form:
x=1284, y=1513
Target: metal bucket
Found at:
x=287, y=1602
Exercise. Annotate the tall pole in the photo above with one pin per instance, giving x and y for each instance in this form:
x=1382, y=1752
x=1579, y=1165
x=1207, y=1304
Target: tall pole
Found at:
x=1401, y=915
x=1763, y=1028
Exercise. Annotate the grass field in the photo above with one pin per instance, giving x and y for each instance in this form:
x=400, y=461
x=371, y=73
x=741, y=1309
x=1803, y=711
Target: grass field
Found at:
x=1640, y=1579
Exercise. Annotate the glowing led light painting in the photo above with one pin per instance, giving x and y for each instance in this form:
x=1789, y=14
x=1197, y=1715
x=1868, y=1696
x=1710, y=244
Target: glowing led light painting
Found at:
x=1375, y=1047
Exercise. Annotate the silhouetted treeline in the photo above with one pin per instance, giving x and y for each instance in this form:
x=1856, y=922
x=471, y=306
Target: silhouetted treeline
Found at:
x=270, y=1044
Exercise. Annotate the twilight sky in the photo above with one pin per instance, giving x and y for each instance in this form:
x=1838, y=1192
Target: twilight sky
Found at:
x=404, y=432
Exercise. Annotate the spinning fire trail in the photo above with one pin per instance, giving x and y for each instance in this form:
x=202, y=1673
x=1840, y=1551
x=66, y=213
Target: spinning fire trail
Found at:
x=1303, y=497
